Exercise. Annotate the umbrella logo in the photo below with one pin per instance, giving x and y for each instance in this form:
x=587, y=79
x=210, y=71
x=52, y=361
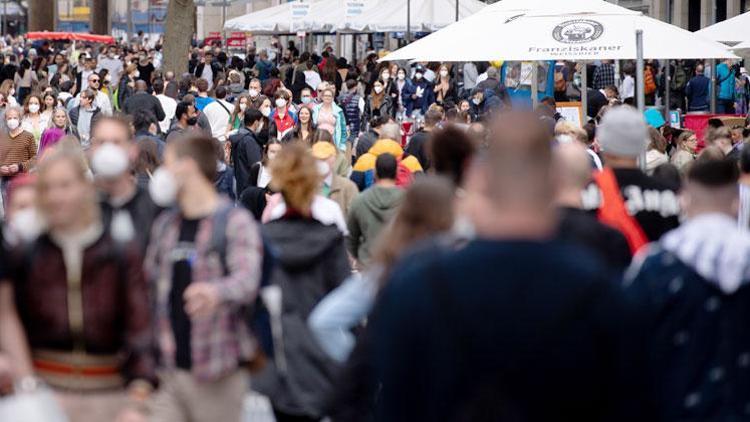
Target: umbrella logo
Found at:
x=578, y=31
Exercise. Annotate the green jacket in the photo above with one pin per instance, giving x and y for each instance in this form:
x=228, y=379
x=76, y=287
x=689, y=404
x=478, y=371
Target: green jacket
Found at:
x=368, y=215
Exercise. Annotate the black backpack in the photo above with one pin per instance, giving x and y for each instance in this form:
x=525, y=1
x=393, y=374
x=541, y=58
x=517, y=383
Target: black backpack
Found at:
x=258, y=317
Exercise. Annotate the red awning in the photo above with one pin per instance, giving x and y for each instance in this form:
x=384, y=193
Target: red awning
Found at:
x=77, y=36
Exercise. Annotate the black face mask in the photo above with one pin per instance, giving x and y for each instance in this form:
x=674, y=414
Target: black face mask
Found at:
x=192, y=121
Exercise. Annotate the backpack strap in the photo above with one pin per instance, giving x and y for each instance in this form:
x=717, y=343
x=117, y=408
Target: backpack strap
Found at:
x=220, y=221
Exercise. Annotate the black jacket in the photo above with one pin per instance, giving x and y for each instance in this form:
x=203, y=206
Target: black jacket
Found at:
x=246, y=151
x=582, y=228
x=418, y=148
x=311, y=261
x=146, y=102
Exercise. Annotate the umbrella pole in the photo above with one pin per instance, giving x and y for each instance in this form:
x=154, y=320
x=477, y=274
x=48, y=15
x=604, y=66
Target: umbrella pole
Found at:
x=713, y=87
x=534, y=85
x=667, y=94
x=584, y=89
x=408, y=21
x=639, y=65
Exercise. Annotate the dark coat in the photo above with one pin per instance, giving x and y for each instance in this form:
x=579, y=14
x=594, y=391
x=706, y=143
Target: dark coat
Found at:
x=696, y=339
x=311, y=261
x=246, y=151
x=501, y=331
x=145, y=102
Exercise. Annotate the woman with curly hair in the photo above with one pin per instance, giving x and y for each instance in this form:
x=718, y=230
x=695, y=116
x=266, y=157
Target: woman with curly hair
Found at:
x=311, y=261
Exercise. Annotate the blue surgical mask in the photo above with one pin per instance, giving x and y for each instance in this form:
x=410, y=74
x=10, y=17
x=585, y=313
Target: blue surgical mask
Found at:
x=306, y=100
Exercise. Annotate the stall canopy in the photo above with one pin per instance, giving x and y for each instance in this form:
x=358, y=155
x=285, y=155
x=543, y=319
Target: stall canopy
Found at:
x=308, y=16
x=426, y=15
x=71, y=36
x=564, y=30
x=731, y=31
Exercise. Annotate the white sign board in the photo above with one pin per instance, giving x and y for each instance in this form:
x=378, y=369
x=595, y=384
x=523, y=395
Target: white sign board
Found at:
x=571, y=112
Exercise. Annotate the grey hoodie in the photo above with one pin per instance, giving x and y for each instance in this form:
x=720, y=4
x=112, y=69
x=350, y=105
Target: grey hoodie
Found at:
x=368, y=214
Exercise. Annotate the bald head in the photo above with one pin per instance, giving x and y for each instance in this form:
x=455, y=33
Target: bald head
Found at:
x=141, y=86
x=573, y=168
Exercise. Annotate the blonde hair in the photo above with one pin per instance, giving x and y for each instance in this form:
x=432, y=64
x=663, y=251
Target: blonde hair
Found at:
x=73, y=155
x=294, y=173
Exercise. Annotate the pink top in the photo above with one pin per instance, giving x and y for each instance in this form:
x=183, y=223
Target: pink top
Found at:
x=326, y=119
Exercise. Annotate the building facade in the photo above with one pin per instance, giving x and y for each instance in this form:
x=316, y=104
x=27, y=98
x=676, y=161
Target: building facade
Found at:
x=148, y=15
x=689, y=14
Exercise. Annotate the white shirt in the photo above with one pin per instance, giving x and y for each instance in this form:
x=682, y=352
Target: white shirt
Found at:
x=627, y=89
x=102, y=101
x=114, y=66
x=169, y=105
x=208, y=75
x=312, y=79
x=85, y=79
x=218, y=118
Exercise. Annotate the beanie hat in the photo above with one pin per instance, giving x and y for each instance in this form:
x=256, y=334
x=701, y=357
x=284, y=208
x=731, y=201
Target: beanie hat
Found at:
x=623, y=132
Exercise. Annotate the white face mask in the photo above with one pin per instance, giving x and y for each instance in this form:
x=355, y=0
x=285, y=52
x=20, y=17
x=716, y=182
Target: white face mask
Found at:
x=444, y=73
x=25, y=226
x=253, y=92
x=34, y=108
x=13, y=124
x=401, y=76
x=163, y=187
x=280, y=102
x=109, y=162
x=378, y=89
x=265, y=112
x=476, y=101
x=243, y=107
x=386, y=76
x=418, y=76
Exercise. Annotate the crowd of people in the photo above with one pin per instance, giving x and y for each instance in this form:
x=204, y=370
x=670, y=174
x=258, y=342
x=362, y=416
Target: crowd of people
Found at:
x=364, y=241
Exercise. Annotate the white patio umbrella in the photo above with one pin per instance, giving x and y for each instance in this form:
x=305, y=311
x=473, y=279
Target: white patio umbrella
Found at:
x=324, y=16
x=496, y=34
x=426, y=15
x=331, y=15
x=273, y=20
x=731, y=31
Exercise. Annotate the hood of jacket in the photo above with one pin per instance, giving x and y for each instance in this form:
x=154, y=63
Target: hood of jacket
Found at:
x=301, y=243
x=236, y=88
x=714, y=247
x=381, y=201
